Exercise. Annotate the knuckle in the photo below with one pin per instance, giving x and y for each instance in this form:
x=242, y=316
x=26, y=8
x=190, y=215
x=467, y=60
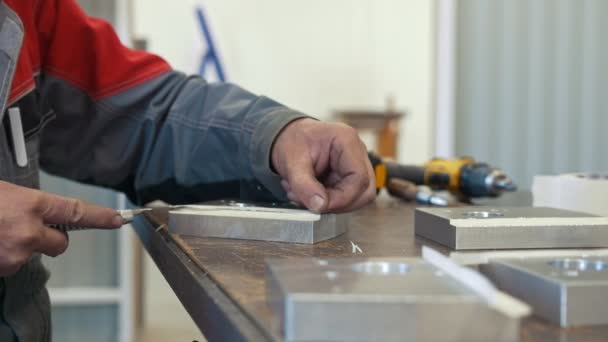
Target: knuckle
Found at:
x=14, y=261
x=370, y=195
x=37, y=203
x=74, y=210
x=342, y=125
x=364, y=183
x=363, y=145
x=21, y=259
x=345, y=130
x=372, y=179
x=29, y=237
x=350, y=132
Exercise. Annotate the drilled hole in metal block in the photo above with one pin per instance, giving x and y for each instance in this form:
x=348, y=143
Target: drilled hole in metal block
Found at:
x=483, y=214
x=579, y=264
x=381, y=268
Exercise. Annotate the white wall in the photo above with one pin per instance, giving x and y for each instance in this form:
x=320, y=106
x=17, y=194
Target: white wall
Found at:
x=315, y=55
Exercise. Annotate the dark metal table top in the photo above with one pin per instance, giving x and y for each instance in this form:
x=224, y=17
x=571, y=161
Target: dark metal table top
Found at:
x=221, y=282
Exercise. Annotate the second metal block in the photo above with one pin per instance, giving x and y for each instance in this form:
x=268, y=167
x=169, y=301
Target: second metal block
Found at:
x=567, y=291
x=511, y=228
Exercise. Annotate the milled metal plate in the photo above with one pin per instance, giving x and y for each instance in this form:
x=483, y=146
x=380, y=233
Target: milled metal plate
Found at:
x=257, y=223
x=568, y=291
x=511, y=228
x=388, y=299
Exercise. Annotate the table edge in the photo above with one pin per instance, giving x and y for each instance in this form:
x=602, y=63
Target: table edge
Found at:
x=217, y=315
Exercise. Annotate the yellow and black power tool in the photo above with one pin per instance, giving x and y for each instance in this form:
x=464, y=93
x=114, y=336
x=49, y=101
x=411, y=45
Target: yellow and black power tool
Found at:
x=463, y=177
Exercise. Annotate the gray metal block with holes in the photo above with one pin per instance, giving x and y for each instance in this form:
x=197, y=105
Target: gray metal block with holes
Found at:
x=565, y=291
x=511, y=227
x=388, y=299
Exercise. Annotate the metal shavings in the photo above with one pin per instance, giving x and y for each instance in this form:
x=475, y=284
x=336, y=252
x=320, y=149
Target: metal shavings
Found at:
x=356, y=248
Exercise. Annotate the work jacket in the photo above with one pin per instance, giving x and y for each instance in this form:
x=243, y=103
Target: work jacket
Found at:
x=97, y=112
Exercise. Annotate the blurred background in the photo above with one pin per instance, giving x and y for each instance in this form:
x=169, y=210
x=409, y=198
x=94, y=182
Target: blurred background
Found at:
x=519, y=84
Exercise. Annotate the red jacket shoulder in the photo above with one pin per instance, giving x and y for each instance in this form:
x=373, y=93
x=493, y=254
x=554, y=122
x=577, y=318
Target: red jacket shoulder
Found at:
x=28, y=63
x=63, y=41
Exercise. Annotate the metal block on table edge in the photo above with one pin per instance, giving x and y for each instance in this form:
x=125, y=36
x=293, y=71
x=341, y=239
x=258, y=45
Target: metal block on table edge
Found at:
x=257, y=223
x=388, y=299
x=511, y=228
x=567, y=291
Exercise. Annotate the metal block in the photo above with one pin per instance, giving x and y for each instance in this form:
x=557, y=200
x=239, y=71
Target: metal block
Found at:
x=568, y=291
x=511, y=228
x=257, y=223
x=388, y=299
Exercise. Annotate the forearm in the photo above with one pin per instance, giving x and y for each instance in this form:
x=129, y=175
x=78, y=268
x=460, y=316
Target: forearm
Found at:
x=199, y=140
x=126, y=121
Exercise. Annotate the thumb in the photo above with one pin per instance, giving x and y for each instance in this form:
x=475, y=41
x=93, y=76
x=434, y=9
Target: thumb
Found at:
x=304, y=186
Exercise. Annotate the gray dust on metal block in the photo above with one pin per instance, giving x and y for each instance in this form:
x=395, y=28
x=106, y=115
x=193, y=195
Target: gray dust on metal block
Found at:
x=257, y=223
x=388, y=299
x=511, y=227
x=568, y=291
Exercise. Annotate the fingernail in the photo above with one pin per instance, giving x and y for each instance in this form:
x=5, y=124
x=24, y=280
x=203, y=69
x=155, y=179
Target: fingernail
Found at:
x=317, y=203
x=118, y=221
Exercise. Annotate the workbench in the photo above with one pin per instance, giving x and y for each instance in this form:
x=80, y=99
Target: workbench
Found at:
x=221, y=282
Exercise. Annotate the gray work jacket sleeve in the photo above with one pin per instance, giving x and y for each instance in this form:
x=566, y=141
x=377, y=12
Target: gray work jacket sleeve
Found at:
x=175, y=137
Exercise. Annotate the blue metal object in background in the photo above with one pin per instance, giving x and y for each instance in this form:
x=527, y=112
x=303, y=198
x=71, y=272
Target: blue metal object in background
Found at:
x=210, y=56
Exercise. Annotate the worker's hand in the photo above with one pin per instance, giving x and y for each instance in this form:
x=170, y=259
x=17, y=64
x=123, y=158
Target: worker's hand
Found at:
x=324, y=166
x=24, y=214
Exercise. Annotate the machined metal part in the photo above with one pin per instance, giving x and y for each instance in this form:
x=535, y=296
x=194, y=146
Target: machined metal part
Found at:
x=476, y=258
x=511, y=228
x=257, y=223
x=568, y=291
x=379, y=299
